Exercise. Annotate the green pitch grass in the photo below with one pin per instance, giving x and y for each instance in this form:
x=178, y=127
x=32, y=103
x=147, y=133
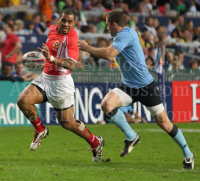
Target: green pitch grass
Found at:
x=64, y=156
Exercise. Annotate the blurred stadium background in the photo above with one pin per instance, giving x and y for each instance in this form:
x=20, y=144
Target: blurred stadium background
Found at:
x=172, y=25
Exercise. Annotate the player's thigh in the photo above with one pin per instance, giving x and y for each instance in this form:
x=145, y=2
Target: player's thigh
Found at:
x=150, y=97
x=30, y=95
x=111, y=101
x=60, y=93
x=118, y=97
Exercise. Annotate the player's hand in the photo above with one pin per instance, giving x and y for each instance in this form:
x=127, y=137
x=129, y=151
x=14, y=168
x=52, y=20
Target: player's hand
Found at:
x=8, y=56
x=83, y=45
x=45, y=51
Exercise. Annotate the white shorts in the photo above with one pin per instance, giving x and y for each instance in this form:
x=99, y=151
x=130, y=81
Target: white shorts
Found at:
x=59, y=90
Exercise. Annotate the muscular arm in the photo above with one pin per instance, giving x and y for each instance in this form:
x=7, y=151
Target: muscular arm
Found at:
x=65, y=63
x=107, y=53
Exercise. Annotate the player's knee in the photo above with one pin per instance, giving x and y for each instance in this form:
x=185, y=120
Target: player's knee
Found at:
x=106, y=107
x=21, y=102
x=164, y=123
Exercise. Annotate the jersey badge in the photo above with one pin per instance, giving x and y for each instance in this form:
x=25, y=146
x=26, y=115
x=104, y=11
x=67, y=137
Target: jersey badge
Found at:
x=56, y=44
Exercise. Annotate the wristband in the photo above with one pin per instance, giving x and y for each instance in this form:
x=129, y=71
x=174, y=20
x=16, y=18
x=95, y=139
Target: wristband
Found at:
x=51, y=59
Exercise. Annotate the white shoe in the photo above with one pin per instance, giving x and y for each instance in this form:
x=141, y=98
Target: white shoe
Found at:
x=101, y=122
x=188, y=163
x=38, y=138
x=97, y=152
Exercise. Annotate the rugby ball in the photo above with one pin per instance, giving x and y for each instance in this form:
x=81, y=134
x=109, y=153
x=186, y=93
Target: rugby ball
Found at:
x=33, y=60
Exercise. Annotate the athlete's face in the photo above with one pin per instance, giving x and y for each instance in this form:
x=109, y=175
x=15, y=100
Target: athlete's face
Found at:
x=110, y=28
x=65, y=23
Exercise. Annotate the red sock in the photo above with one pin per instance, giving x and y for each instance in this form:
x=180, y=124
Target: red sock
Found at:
x=93, y=141
x=38, y=125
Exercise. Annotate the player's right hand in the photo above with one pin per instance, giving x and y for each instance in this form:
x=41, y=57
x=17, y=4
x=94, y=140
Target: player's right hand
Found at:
x=45, y=51
x=83, y=45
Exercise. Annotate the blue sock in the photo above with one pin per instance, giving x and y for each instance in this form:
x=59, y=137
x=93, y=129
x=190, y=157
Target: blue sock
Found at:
x=180, y=140
x=119, y=120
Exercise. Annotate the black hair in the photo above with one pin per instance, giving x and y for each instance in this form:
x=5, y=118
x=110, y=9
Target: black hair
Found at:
x=152, y=60
x=10, y=26
x=4, y=64
x=69, y=11
x=175, y=31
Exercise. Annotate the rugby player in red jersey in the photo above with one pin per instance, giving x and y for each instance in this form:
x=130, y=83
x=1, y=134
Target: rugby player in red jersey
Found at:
x=56, y=85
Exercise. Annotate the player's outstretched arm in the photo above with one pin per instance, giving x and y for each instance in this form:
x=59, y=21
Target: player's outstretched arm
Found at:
x=107, y=53
x=65, y=63
x=61, y=62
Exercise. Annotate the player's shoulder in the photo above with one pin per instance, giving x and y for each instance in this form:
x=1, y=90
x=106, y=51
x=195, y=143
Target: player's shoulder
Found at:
x=73, y=35
x=129, y=34
x=52, y=28
x=126, y=32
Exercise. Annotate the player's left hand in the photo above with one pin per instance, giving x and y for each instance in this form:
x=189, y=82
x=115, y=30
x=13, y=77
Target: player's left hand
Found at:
x=83, y=45
x=45, y=51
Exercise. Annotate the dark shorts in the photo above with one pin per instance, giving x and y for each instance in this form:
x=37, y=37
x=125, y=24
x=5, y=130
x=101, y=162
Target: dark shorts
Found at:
x=148, y=95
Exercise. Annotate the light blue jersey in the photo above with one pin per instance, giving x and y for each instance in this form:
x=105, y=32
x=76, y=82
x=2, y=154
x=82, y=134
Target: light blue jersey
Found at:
x=131, y=59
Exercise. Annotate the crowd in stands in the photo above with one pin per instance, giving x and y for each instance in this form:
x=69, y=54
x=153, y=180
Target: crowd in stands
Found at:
x=18, y=74
x=151, y=34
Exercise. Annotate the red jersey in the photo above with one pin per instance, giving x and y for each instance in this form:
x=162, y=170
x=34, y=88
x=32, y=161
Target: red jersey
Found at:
x=9, y=46
x=61, y=46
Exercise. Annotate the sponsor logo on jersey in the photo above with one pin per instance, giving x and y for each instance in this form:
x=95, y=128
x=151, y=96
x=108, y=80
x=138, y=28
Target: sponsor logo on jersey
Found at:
x=56, y=44
x=33, y=55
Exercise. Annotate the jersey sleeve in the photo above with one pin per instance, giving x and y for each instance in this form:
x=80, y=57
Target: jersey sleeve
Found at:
x=72, y=49
x=122, y=40
x=51, y=28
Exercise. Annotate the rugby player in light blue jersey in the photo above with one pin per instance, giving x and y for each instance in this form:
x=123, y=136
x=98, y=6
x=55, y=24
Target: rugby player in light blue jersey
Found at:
x=137, y=85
